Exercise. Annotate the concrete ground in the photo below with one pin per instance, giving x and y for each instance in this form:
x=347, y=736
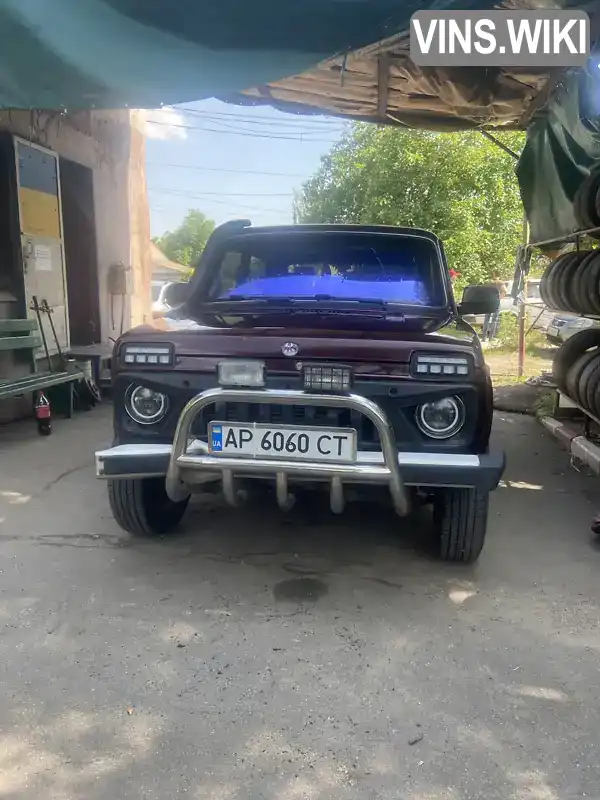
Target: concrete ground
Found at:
x=261, y=656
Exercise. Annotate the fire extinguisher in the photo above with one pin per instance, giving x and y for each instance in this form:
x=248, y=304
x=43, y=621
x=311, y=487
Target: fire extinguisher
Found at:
x=42, y=415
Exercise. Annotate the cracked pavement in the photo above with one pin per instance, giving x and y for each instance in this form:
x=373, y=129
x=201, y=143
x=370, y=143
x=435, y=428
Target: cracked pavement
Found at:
x=260, y=655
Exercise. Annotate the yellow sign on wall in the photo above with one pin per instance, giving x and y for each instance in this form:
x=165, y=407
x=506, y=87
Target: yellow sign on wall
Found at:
x=40, y=215
x=38, y=191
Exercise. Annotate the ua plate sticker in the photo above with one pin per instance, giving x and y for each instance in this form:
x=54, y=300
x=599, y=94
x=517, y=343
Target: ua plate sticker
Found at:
x=216, y=436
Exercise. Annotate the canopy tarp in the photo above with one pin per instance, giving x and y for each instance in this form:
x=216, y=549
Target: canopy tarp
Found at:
x=344, y=57
x=563, y=143
x=145, y=53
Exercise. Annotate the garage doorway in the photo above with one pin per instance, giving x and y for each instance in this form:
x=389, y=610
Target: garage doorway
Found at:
x=79, y=232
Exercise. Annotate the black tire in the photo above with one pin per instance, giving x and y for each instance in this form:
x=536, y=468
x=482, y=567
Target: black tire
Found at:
x=460, y=522
x=142, y=507
x=551, y=275
x=588, y=383
x=570, y=351
x=544, y=293
x=591, y=284
x=565, y=286
x=580, y=299
x=575, y=372
x=594, y=395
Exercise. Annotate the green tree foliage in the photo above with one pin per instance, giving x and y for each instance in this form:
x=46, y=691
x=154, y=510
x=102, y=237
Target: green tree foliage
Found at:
x=185, y=244
x=461, y=186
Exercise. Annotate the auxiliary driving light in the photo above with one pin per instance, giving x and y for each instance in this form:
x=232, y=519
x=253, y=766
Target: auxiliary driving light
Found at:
x=441, y=366
x=327, y=378
x=146, y=354
x=241, y=373
x=441, y=419
x=144, y=405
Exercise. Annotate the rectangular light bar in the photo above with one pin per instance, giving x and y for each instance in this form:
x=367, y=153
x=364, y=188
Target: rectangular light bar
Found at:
x=147, y=354
x=441, y=366
x=327, y=378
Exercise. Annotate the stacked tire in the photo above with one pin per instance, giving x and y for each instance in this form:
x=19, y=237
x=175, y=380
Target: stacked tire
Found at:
x=572, y=283
x=576, y=370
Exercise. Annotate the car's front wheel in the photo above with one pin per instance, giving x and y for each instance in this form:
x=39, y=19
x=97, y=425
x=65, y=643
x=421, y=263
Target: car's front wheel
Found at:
x=142, y=507
x=460, y=521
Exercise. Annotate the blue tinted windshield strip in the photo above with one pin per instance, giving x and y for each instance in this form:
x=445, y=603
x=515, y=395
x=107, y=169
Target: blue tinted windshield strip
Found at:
x=334, y=286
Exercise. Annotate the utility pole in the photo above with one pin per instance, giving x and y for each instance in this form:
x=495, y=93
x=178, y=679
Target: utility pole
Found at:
x=522, y=307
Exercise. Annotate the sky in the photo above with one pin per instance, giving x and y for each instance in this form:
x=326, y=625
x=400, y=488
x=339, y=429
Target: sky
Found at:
x=230, y=162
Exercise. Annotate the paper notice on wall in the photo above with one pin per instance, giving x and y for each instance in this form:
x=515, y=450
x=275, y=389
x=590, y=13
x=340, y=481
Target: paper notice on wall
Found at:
x=42, y=257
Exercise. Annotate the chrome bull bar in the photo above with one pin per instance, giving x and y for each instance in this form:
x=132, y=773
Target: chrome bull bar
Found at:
x=387, y=473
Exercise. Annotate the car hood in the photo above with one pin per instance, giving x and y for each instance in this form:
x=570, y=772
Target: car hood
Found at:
x=314, y=338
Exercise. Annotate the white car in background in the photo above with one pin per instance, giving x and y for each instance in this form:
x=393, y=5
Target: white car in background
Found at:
x=563, y=326
x=159, y=290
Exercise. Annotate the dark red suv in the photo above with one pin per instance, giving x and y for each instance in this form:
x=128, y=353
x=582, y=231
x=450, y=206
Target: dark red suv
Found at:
x=316, y=355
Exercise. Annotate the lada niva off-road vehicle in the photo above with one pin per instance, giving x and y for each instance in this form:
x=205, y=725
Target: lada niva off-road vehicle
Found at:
x=321, y=355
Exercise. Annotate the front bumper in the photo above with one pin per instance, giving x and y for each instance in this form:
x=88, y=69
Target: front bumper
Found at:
x=187, y=461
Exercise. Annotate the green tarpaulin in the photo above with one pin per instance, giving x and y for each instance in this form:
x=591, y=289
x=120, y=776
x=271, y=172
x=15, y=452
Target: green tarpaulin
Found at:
x=562, y=144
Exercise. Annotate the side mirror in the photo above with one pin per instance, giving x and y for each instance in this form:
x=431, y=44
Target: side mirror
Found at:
x=176, y=294
x=479, y=300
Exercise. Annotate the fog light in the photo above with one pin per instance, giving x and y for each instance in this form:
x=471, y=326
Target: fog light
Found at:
x=441, y=419
x=144, y=405
x=327, y=378
x=241, y=373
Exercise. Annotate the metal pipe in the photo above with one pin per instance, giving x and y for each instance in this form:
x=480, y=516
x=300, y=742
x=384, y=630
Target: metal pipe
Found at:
x=229, y=490
x=390, y=473
x=285, y=501
x=569, y=237
x=499, y=144
x=337, y=500
x=523, y=308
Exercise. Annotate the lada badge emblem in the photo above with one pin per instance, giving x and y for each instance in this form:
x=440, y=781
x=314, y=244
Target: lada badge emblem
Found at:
x=290, y=349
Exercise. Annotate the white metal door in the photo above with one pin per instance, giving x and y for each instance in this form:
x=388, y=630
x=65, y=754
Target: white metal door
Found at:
x=40, y=219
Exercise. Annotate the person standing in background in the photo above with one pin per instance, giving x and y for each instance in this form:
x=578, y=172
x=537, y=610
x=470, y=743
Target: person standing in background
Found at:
x=492, y=321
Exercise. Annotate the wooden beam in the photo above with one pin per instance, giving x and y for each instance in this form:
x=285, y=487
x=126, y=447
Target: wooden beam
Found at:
x=383, y=85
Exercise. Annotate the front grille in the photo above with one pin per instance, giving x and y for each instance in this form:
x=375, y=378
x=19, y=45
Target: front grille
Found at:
x=276, y=414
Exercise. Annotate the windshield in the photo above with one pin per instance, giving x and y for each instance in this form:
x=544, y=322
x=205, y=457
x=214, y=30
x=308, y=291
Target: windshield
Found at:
x=379, y=267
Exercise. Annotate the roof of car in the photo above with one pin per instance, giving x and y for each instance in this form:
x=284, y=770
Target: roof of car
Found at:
x=244, y=227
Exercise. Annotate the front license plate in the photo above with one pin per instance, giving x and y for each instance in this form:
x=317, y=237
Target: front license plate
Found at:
x=284, y=442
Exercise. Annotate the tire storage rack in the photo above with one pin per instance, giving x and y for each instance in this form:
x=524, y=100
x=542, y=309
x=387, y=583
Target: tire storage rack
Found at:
x=571, y=283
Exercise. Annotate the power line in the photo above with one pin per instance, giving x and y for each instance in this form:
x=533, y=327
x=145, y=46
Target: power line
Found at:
x=229, y=169
x=254, y=135
x=289, y=119
x=221, y=194
x=229, y=203
x=277, y=132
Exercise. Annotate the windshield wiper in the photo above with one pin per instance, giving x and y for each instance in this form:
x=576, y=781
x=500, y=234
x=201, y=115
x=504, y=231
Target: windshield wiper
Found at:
x=248, y=298
x=299, y=301
x=350, y=300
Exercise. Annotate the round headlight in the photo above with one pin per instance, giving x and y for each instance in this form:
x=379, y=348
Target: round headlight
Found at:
x=441, y=419
x=145, y=405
